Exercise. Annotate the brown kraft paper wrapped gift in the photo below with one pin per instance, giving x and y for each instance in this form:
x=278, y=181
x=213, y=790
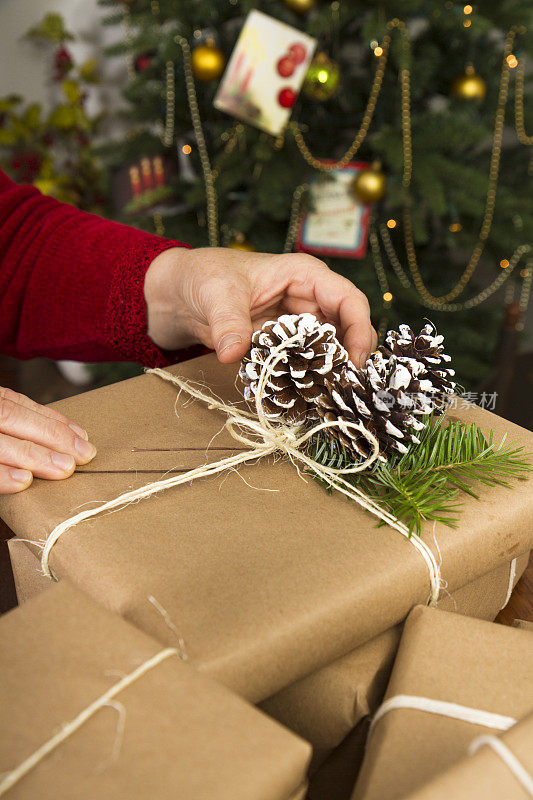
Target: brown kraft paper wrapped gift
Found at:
x=450, y=658
x=171, y=733
x=484, y=775
x=264, y=587
x=325, y=706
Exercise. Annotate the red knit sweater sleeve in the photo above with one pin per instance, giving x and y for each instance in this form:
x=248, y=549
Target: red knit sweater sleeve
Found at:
x=71, y=283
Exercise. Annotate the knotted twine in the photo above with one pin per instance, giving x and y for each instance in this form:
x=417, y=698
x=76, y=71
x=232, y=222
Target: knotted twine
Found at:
x=263, y=438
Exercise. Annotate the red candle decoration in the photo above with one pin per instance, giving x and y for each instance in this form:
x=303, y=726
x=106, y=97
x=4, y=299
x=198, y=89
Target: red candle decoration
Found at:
x=285, y=67
x=297, y=52
x=287, y=97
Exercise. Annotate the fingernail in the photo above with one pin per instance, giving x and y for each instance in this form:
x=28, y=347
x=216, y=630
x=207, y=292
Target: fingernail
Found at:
x=85, y=449
x=228, y=341
x=63, y=462
x=20, y=475
x=79, y=431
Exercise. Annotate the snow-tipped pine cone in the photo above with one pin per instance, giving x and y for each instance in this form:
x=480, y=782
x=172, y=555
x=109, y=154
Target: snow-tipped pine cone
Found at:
x=425, y=349
x=384, y=397
x=315, y=380
x=298, y=381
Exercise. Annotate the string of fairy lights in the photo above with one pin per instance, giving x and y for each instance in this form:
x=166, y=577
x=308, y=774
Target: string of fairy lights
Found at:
x=380, y=233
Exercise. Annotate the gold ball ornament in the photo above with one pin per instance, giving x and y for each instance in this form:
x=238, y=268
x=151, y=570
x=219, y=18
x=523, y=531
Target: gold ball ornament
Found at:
x=208, y=62
x=322, y=78
x=240, y=243
x=300, y=6
x=370, y=185
x=469, y=85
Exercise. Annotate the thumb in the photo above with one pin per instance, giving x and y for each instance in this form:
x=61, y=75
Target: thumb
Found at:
x=230, y=324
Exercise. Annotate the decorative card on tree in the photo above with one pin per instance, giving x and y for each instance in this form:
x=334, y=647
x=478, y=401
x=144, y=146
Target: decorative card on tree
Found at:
x=265, y=72
x=337, y=222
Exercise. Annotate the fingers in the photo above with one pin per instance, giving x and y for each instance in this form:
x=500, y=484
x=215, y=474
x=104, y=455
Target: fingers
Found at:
x=227, y=309
x=23, y=423
x=42, y=462
x=337, y=298
x=46, y=411
x=14, y=480
x=374, y=340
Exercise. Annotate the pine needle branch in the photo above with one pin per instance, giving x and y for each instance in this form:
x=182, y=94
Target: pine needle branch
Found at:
x=425, y=483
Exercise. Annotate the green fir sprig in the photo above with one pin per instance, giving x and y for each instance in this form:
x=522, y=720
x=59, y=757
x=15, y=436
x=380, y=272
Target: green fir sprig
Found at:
x=425, y=483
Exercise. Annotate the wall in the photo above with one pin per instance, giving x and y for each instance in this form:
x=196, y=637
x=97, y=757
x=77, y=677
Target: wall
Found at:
x=22, y=66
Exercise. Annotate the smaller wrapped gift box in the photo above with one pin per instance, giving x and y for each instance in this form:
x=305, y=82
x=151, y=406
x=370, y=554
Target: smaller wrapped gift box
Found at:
x=444, y=659
x=327, y=705
x=499, y=768
x=159, y=729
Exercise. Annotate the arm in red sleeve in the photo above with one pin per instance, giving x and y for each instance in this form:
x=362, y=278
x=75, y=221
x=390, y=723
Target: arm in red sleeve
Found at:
x=71, y=283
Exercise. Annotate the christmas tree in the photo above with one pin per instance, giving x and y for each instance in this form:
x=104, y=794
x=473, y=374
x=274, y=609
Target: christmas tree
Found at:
x=430, y=94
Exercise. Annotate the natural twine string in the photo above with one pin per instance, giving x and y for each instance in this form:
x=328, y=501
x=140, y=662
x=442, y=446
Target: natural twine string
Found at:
x=444, y=709
x=263, y=438
x=508, y=757
x=71, y=727
x=510, y=587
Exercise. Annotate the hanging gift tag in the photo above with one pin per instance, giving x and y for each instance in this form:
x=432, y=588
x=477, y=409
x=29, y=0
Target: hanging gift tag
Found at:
x=337, y=222
x=265, y=73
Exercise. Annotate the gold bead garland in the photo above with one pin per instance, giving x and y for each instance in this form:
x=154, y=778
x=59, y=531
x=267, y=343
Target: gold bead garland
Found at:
x=490, y=202
x=486, y=225
x=523, y=138
x=170, y=98
x=375, y=89
x=211, y=196
x=381, y=275
x=294, y=217
x=472, y=302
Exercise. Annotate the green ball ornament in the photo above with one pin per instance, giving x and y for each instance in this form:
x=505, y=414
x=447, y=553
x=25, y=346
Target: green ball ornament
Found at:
x=322, y=79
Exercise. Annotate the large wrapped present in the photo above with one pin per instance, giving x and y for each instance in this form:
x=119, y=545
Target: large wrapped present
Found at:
x=454, y=679
x=496, y=768
x=261, y=575
x=327, y=705
x=94, y=708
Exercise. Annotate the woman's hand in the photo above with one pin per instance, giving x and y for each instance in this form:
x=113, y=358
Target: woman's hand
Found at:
x=219, y=296
x=36, y=440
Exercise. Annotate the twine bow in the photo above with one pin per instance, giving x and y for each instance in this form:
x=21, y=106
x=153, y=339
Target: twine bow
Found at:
x=263, y=438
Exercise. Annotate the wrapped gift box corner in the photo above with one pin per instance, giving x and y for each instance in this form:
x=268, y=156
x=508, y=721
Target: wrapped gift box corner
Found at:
x=450, y=658
x=485, y=775
x=264, y=587
x=60, y=652
x=327, y=705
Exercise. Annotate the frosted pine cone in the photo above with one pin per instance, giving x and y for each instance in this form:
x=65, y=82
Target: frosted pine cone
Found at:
x=427, y=351
x=298, y=381
x=380, y=398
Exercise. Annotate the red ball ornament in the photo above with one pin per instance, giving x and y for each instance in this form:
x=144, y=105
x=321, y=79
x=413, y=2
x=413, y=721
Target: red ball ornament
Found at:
x=287, y=98
x=143, y=61
x=285, y=67
x=297, y=53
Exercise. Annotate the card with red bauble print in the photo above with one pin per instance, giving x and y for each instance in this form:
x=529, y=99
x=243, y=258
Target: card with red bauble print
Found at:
x=337, y=222
x=265, y=73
